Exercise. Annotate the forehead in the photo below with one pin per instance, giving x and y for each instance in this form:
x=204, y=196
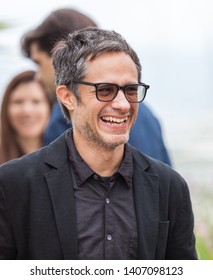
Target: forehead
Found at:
x=27, y=89
x=110, y=65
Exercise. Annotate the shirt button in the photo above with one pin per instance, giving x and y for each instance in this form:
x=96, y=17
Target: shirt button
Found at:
x=95, y=177
x=109, y=237
x=107, y=200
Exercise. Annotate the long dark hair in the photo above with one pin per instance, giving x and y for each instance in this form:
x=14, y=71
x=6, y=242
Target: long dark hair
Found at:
x=9, y=147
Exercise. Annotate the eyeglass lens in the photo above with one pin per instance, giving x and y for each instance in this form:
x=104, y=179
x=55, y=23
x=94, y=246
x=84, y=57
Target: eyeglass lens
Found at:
x=133, y=93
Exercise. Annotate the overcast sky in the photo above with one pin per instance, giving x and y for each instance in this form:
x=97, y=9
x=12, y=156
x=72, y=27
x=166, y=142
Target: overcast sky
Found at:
x=170, y=23
x=174, y=39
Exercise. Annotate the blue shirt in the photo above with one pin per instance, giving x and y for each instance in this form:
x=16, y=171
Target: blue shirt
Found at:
x=146, y=135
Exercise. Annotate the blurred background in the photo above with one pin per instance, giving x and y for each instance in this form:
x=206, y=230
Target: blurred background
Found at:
x=174, y=40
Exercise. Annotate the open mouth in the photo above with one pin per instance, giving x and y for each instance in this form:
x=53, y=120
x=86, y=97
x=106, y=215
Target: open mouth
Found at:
x=114, y=121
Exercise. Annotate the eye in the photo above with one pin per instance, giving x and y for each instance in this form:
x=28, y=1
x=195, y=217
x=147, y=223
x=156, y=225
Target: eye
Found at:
x=131, y=89
x=37, y=101
x=17, y=101
x=105, y=89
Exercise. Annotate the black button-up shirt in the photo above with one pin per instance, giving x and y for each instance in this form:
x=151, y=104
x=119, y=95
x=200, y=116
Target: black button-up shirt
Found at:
x=106, y=219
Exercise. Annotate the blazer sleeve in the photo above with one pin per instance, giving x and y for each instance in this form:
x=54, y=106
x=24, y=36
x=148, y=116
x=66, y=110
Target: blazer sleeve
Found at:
x=7, y=246
x=181, y=240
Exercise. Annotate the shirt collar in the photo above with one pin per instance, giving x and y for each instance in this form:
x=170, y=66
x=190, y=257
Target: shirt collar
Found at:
x=79, y=165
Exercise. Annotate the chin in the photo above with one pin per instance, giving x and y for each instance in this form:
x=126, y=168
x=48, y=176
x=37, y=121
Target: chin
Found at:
x=114, y=142
x=30, y=135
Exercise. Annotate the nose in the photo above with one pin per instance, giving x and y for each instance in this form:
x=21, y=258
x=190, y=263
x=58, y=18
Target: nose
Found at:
x=120, y=102
x=27, y=108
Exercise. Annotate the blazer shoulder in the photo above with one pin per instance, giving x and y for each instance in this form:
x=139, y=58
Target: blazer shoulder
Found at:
x=156, y=167
x=53, y=154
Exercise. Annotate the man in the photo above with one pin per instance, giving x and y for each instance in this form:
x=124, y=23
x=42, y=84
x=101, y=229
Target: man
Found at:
x=89, y=194
x=37, y=44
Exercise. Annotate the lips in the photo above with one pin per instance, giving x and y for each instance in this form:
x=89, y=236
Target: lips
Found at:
x=113, y=120
x=28, y=122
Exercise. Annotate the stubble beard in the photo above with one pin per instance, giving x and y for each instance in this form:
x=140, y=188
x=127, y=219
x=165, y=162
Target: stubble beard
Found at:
x=96, y=140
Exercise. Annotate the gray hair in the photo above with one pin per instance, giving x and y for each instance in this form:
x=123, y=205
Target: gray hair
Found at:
x=71, y=56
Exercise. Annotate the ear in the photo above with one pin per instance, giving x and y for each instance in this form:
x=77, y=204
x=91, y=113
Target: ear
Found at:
x=66, y=97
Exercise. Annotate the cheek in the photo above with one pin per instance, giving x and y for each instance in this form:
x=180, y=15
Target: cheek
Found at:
x=134, y=109
x=43, y=112
x=87, y=111
x=13, y=113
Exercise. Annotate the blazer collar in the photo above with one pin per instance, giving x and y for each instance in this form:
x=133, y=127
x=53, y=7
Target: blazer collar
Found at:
x=57, y=153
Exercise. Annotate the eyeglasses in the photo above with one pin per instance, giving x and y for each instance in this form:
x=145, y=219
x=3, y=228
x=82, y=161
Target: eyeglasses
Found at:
x=106, y=92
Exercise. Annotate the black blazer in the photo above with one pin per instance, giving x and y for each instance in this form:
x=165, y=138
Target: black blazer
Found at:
x=37, y=208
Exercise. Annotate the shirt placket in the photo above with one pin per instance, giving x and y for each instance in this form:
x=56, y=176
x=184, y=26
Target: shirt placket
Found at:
x=109, y=223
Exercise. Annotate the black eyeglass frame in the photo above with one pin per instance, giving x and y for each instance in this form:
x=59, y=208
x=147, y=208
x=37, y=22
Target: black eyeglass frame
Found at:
x=146, y=87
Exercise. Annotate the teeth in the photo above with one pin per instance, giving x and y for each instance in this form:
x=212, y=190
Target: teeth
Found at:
x=115, y=120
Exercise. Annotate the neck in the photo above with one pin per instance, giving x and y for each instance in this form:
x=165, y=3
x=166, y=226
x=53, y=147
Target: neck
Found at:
x=29, y=145
x=101, y=160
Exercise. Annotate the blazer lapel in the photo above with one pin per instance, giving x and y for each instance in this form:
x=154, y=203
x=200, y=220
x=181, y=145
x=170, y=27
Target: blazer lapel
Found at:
x=146, y=195
x=60, y=186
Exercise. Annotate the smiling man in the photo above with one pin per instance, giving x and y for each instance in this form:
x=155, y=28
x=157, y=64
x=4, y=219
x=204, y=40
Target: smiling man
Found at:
x=90, y=194
x=103, y=113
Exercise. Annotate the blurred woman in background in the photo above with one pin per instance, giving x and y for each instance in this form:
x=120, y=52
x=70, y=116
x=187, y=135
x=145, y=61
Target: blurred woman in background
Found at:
x=25, y=112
